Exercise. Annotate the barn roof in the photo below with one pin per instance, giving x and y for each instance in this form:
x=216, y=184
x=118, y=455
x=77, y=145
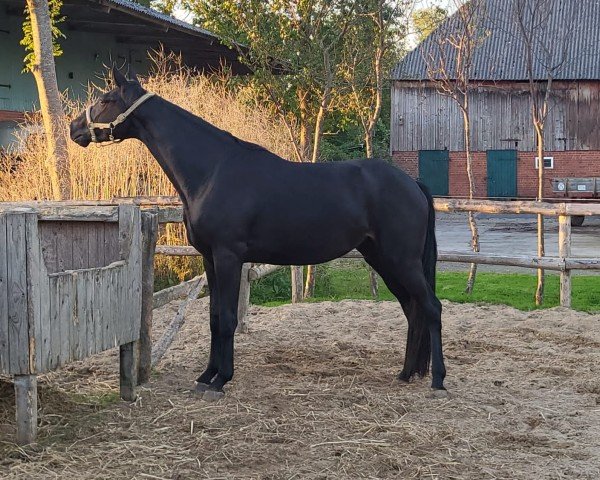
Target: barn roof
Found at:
x=500, y=55
x=131, y=22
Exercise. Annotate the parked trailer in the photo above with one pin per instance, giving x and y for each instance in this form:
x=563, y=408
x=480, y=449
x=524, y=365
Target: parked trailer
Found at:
x=577, y=188
x=69, y=288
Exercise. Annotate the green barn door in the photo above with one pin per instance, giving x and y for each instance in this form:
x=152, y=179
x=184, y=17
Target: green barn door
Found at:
x=433, y=170
x=502, y=173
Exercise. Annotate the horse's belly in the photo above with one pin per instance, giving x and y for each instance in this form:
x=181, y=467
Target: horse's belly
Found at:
x=304, y=247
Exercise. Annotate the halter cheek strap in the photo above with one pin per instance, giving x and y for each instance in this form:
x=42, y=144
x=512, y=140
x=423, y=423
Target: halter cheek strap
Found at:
x=111, y=125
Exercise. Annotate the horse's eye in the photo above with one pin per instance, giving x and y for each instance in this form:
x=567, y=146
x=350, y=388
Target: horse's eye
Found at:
x=103, y=102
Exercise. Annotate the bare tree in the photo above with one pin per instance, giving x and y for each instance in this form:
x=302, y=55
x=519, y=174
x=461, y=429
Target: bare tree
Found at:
x=544, y=56
x=449, y=63
x=39, y=30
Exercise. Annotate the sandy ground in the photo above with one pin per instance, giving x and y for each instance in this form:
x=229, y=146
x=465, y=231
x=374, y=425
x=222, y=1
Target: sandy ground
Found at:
x=315, y=397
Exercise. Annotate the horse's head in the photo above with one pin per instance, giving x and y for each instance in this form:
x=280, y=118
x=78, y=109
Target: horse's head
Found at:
x=108, y=119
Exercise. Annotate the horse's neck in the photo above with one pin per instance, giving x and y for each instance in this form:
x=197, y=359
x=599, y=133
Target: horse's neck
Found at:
x=184, y=148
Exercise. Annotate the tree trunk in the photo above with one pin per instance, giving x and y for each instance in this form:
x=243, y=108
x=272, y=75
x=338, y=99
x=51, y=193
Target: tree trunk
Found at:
x=539, y=293
x=297, y=283
x=50, y=104
x=471, y=216
x=309, y=287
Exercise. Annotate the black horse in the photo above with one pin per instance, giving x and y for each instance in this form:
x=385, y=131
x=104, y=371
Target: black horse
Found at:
x=242, y=203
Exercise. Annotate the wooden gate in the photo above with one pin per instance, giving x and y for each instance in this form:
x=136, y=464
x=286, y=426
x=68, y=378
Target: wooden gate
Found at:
x=502, y=173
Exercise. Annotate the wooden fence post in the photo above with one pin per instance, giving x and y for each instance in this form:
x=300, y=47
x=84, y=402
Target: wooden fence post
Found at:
x=564, y=251
x=149, y=238
x=297, y=284
x=244, y=299
x=26, y=408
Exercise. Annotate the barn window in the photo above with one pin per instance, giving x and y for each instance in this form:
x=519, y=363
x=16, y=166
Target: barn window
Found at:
x=548, y=163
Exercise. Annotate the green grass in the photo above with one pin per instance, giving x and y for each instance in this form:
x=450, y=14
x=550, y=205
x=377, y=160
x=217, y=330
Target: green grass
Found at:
x=346, y=281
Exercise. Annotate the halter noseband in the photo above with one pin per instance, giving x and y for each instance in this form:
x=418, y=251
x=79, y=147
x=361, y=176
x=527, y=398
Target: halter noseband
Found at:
x=120, y=118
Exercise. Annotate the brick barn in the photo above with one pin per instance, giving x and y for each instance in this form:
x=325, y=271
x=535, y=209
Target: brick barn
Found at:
x=427, y=131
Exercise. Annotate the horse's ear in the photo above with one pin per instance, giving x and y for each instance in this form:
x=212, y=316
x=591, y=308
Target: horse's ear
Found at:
x=132, y=75
x=118, y=77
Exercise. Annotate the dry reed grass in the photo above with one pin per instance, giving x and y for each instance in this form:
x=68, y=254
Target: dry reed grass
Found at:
x=128, y=169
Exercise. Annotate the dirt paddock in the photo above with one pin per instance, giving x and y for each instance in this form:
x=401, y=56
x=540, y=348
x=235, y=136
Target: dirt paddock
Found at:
x=315, y=397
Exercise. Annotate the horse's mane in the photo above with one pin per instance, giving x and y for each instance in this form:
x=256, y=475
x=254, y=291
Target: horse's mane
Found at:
x=223, y=134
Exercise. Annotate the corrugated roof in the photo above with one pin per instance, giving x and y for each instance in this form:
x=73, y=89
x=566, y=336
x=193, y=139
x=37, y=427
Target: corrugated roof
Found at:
x=154, y=14
x=571, y=32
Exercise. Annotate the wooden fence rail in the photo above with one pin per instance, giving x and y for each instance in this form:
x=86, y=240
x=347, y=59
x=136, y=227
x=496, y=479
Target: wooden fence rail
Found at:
x=564, y=263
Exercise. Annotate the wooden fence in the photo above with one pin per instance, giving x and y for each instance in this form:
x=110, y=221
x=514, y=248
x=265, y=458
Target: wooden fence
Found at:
x=68, y=289
x=159, y=210
x=563, y=263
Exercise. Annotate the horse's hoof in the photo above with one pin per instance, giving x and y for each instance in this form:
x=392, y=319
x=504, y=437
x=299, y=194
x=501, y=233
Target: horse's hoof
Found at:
x=439, y=393
x=213, y=395
x=200, y=387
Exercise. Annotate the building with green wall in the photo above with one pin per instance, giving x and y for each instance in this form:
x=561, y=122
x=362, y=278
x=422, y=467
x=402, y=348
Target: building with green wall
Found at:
x=97, y=33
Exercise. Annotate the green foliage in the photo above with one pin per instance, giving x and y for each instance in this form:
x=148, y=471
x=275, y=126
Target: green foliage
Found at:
x=346, y=280
x=426, y=20
x=54, y=7
x=295, y=49
x=344, y=136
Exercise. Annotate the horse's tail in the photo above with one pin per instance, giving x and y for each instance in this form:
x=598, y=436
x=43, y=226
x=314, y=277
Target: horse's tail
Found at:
x=418, y=344
x=430, y=251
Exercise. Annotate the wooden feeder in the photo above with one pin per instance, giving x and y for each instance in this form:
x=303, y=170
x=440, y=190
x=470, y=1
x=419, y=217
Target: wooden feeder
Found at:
x=70, y=287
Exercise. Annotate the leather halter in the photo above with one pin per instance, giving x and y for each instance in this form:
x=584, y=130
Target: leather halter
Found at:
x=111, y=125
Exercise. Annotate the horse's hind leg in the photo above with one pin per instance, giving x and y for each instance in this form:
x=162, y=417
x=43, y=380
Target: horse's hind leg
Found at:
x=373, y=258
x=422, y=309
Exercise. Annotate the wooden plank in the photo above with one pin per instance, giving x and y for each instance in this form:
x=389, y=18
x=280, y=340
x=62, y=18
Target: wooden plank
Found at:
x=564, y=251
x=167, y=295
x=581, y=263
x=262, y=270
x=48, y=232
x=168, y=336
x=18, y=325
x=53, y=355
x=94, y=328
x=149, y=225
x=64, y=246
x=96, y=245
x=80, y=317
x=107, y=314
x=88, y=312
x=65, y=312
x=177, y=251
x=4, y=347
x=26, y=408
x=36, y=277
x=130, y=237
x=490, y=206
x=128, y=366
x=45, y=338
x=81, y=246
x=547, y=263
x=111, y=243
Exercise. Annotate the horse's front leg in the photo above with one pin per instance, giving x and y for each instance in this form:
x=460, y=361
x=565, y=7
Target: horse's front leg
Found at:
x=227, y=269
x=207, y=376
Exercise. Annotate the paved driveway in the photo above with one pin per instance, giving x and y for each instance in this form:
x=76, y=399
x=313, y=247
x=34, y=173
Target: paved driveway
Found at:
x=512, y=235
